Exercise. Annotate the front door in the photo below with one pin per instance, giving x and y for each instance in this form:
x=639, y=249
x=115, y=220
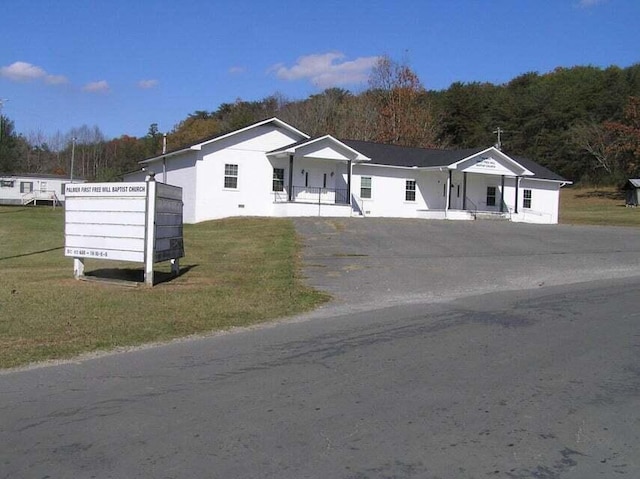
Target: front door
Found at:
x=456, y=196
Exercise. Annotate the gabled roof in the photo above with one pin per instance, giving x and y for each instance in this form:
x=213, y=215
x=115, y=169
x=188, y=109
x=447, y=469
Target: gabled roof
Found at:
x=200, y=144
x=410, y=157
x=291, y=149
x=634, y=182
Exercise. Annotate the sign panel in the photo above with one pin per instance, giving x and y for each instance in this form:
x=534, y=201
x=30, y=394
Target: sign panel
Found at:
x=105, y=220
x=488, y=165
x=136, y=221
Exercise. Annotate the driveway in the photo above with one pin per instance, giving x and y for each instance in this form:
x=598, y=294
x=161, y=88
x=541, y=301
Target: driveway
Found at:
x=373, y=262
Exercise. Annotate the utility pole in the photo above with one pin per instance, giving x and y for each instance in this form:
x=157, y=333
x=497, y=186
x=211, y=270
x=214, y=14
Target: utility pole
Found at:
x=499, y=131
x=73, y=156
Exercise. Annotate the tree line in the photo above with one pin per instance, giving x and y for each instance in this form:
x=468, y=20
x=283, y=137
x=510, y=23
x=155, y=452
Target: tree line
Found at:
x=582, y=122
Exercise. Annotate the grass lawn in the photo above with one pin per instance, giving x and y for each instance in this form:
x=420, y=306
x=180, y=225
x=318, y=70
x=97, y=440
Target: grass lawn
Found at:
x=596, y=206
x=237, y=272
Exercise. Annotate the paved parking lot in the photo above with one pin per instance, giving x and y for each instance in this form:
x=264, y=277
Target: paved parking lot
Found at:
x=367, y=263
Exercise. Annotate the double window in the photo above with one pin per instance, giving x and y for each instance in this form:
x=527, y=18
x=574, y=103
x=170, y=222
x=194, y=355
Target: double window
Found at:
x=491, y=195
x=410, y=190
x=526, y=203
x=278, y=179
x=365, y=187
x=231, y=176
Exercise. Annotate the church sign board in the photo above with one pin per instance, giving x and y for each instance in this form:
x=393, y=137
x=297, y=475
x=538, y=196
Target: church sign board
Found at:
x=136, y=221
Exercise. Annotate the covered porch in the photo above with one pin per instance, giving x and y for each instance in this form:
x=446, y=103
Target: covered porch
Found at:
x=486, y=185
x=316, y=172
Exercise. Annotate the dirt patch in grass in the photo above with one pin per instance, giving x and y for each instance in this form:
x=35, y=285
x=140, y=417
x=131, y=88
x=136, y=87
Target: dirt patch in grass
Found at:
x=236, y=272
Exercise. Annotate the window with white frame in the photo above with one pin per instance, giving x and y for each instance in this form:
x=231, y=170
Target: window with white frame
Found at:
x=491, y=195
x=26, y=186
x=526, y=195
x=231, y=176
x=365, y=187
x=278, y=179
x=410, y=190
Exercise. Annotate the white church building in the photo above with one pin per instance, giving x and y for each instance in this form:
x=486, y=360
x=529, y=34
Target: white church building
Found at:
x=271, y=168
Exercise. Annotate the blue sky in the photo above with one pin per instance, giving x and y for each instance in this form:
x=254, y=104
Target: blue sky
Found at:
x=124, y=64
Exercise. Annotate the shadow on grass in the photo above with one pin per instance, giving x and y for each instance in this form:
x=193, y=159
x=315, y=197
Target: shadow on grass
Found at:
x=16, y=210
x=135, y=275
x=32, y=253
x=609, y=195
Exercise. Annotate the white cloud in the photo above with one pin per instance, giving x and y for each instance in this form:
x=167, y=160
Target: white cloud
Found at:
x=236, y=70
x=24, y=72
x=327, y=69
x=97, y=87
x=147, y=84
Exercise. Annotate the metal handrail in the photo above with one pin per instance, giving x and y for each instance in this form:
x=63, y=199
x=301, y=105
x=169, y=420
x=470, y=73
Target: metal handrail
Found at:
x=313, y=194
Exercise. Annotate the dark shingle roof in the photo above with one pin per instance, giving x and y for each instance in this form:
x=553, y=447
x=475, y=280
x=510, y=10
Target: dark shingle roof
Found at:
x=394, y=155
x=539, y=171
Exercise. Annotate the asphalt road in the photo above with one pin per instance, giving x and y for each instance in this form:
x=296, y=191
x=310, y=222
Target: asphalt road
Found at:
x=542, y=382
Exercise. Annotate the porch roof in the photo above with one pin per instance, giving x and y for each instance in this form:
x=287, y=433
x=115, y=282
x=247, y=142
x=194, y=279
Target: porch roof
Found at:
x=310, y=146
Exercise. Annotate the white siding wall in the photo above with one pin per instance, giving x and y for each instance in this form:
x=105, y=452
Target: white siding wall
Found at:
x=253, y=196
x=388, y=189
x=545, y=201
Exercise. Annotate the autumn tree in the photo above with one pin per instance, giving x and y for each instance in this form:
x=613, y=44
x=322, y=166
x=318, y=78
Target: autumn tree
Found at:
x=404, y=113
x=626, y=144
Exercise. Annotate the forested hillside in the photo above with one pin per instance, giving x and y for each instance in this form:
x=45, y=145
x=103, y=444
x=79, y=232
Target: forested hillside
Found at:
x=582, y=122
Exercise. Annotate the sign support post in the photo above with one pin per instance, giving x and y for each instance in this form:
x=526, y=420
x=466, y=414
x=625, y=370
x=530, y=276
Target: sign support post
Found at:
x=150, y=226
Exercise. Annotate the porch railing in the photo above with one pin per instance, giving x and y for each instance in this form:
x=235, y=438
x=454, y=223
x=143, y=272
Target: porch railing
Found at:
x=44, y=195
x=312, y=194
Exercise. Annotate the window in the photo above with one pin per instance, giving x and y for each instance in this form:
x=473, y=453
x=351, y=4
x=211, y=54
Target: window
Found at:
x=278, y=179
x=491, y=195
x=62, y=188
x=26, y=186
x=527, y=199
x=365, y=187
x=231, y=176
x=6, y=183
x=410, y=191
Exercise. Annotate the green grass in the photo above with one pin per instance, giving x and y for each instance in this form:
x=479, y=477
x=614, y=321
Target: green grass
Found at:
x=237, y=272
x=596, y=206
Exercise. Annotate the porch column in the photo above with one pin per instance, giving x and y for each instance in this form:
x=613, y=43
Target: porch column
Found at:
x=449, y=191
x=502, y=194
x=517, y=185
x=349, y=182
x=291, y=177
x=464, y=190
